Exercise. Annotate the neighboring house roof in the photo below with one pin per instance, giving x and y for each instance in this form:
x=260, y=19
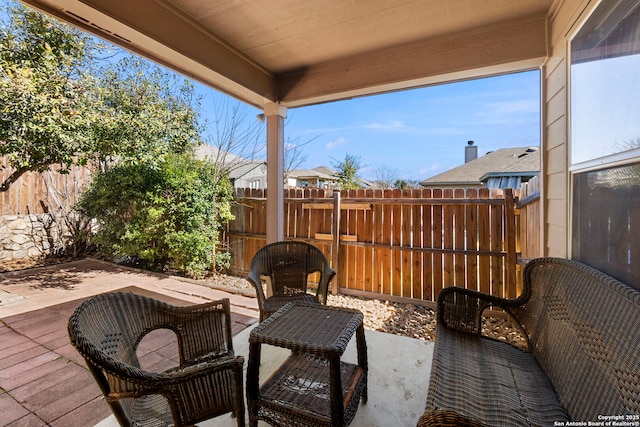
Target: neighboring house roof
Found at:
x=325, y=170
x=243, y=168
x=519, y=161
x=205, y=151
x=238, y=166
x=319, y=172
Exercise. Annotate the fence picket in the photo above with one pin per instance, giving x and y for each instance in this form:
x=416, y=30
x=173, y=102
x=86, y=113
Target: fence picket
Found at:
x=471, y=235
x=496, y=237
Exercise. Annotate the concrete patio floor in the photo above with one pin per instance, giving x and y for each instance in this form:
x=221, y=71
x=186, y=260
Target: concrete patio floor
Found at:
x=44, y=381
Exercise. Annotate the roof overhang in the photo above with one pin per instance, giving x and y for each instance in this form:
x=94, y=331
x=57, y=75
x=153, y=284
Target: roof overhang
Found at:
x=301, y=53
x=522, y=174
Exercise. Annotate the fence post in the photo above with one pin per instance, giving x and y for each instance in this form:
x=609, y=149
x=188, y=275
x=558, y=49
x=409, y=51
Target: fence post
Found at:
x=336, y=239
x=510, y=243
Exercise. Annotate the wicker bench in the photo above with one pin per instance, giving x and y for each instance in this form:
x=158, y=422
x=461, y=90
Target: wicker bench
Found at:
x=582, y=362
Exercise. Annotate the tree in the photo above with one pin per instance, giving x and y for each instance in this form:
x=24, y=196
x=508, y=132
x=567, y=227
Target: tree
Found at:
x=46, y=111
x=406, y=183
x=347, y=171
x=60, y=109
x=235, y=135
x=385, y=176
x=168, y=214
x=145, y=112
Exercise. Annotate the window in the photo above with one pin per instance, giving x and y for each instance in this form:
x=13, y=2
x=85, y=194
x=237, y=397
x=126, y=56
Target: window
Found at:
x=605, y=140
x=605, y=83
x=606, y=222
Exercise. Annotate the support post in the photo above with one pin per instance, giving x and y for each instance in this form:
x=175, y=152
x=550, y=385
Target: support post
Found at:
x=275, y=115
x=336, y=239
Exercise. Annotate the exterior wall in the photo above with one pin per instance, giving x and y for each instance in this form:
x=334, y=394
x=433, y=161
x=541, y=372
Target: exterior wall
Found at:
x=259, y=174
x=555, y=130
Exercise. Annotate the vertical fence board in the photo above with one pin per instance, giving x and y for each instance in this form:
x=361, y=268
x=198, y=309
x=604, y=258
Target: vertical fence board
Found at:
x=352, y=255
x=484, y=244
x=427, y=242
x=378, y=239
x=416, y=243
x=471, y=243
x=385, y=254
x=447, y=236
x=367, y=227
x=396, y=242
x=360, y=252
x=459, y=263
x=497, y=280
x=406, y=242
x=509, y=244
x=436, y=221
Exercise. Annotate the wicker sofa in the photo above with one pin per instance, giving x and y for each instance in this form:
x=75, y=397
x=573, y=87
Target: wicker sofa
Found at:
x=582, y=362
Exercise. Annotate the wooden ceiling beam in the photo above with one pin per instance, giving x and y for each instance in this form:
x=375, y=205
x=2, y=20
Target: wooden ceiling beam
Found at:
x=518, y=46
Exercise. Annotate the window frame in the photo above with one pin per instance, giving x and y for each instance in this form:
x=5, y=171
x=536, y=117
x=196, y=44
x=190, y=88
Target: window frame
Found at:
x=602, y=163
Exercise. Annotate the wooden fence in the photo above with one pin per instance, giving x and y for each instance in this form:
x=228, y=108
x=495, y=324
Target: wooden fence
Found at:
x=38, y=193
x=528, y=217
x=397, y=243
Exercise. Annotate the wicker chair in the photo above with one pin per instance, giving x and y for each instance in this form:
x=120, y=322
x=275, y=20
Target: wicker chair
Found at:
x=287, y=265
x=106, y=330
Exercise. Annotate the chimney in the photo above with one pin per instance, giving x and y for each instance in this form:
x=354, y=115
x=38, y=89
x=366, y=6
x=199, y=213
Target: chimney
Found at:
x=470, y=152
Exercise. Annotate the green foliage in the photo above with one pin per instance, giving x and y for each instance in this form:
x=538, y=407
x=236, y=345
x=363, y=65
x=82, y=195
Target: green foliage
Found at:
x=59, y=108
x=347, y=172
x=168, y=214
x=145, y=112
x=46, y=110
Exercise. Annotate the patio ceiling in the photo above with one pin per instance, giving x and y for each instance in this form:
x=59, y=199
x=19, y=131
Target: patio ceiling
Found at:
x=299, y=53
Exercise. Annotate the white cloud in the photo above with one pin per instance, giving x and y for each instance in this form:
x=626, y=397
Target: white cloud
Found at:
x=333, y=144
x=510, y=112
x=392, y=125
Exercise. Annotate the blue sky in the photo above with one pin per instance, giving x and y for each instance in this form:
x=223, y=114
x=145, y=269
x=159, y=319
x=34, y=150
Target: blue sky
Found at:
x=421, y=132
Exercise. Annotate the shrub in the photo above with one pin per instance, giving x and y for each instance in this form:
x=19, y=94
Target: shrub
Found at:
x=168, y=215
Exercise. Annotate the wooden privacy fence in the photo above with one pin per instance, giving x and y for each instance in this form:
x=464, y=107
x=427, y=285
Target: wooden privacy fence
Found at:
x=399, y=243
x=528, y=217
x=38, y=193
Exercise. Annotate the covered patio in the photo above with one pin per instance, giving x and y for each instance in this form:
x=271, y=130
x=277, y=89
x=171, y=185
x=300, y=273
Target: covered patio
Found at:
x=45, y=382
x=287, y=54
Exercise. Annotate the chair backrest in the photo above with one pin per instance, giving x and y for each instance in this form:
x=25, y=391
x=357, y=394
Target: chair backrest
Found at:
x=584, y=329
x=106, y=330
x=288, y=266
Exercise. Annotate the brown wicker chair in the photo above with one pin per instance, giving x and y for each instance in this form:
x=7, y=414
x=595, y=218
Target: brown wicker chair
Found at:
x=287, y=265
x=106, y=330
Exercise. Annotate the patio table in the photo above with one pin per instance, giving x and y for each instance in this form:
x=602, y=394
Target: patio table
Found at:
x=313, y=386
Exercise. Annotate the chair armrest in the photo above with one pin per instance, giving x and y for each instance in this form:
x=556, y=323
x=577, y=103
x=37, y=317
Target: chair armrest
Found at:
x=323, y=287
x=462, y=309
x=254, y=279
x=130, y=381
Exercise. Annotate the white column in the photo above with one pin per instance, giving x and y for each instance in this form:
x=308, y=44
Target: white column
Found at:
x=275, y=114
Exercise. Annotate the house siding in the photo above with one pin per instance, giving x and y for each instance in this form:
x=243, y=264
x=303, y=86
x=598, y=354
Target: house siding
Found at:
x=555, y=142
x=257, y=174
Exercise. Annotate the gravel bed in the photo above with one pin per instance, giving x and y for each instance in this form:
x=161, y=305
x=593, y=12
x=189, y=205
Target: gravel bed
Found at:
x=409, y=320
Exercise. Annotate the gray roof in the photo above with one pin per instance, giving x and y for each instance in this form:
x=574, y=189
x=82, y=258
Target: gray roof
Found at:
x=240, y=169
x=519, y=161
x=237, y=166
x=319, y=172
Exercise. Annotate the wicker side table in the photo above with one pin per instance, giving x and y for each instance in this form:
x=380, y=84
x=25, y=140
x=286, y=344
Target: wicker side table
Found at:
x=313, y=386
